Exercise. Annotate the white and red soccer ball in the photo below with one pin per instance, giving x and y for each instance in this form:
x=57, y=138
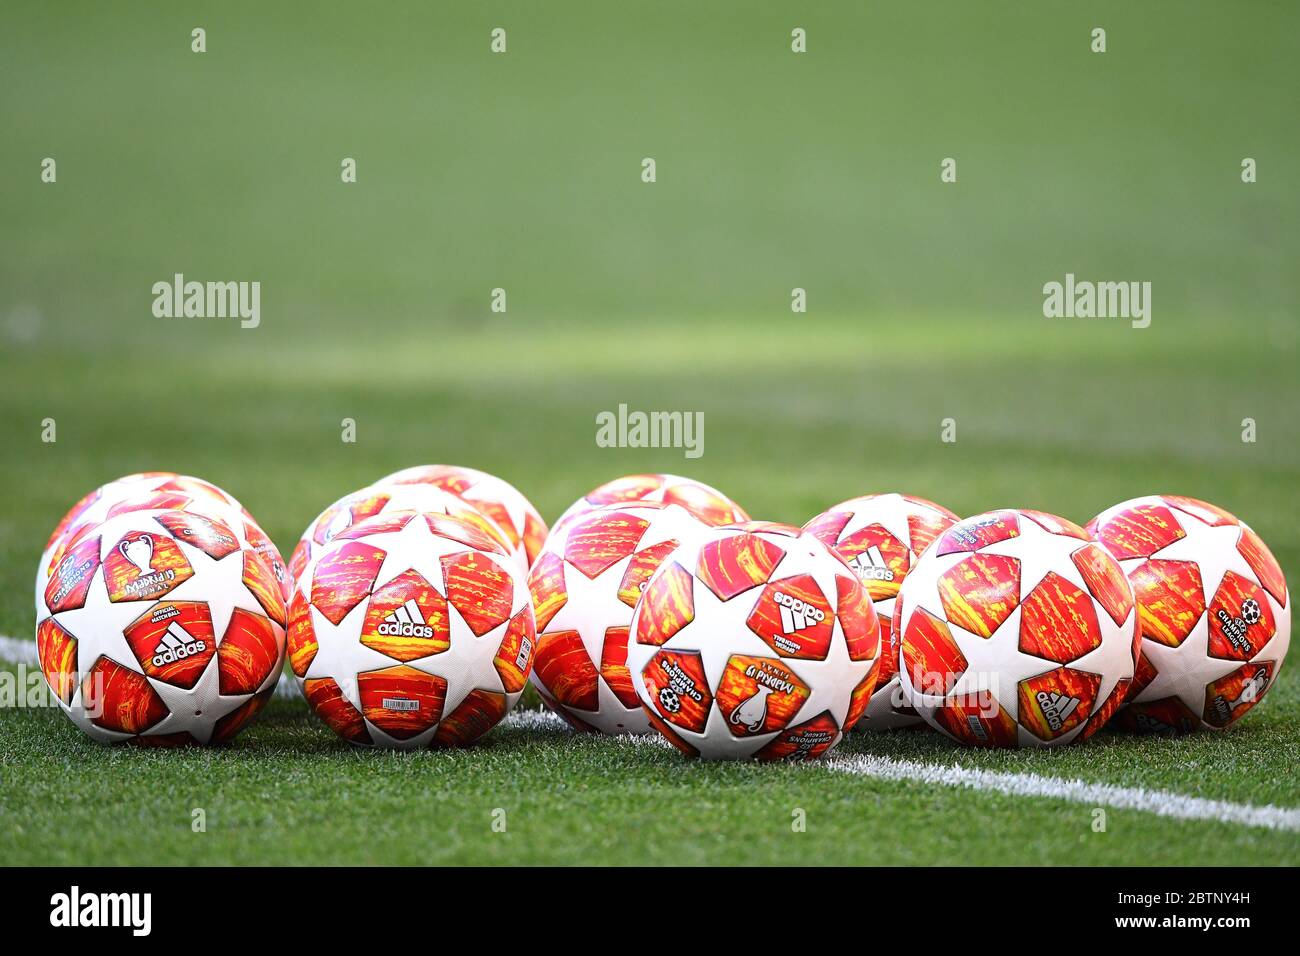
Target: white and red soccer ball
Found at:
x=1016, y=629
x=380, y=499
x=1213, y=607
x=411, y=630
x=754, y=641
x=880, y=537
x=705, y=502
x=502, y=503
x=165, y=627
x=585, y=585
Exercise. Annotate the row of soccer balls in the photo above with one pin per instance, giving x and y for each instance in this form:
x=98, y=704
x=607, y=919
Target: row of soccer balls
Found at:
x=414, y=612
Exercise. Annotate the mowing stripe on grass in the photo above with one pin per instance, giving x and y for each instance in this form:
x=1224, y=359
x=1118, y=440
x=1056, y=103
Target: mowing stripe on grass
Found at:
x=1159, y=802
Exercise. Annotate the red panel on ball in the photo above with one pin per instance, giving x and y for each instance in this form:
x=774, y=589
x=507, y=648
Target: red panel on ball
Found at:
x=1055, y=524
x=1139, y=531
x=793, y=617
x=1058, y=621
x=327, y=700
x=931, y=656
x=301, y=635
x=1170, y=599
x=343, y=577
x=479, y=712
x=639, y=570
x=980, y=592
x=565, y=669
x=479, y=588
x=120, y=698
x=979, y=532
x=1230, y=697
x=858, y=619
x=173, y=641
x=711, y=508
x=407, y=619
x=401, y=701
x=211, y=537
x=546, y=585
x=977, y=719
x=514, y=658
x=675, y=682
x=260, y=578
x=734, y=564
x=248, y=654
x=601, y=540
x=1106, y=580
x=806, y=741
x=614, y=669
x=57, y=651
x=1263, y=563
x=628, y=488
x=879, y=560
x=667, y=606
x=1204, y=511
x=759, y=695
x=143, y=566
x=1055, y=703
x=1240, y=619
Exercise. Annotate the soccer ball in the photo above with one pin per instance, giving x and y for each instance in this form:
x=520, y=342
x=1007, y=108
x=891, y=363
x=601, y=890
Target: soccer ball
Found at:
x=585, y=586
x=708, y=504
x=754, y=640
x=1213, y=609
x=166, y=628
x=880, y=536
x=501, y=501
x=154, y=491
x=411, y=630
x=1016, y=630
x=381, y=499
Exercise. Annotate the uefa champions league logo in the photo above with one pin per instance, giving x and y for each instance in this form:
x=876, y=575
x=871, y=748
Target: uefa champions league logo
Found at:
x=751, y=713
x=1235, y=628
x=139, y=553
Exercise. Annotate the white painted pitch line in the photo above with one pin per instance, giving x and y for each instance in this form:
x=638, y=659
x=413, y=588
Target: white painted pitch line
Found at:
x=535, y=720
x=17, y=650
x=1159, y=802
x=1162, y=803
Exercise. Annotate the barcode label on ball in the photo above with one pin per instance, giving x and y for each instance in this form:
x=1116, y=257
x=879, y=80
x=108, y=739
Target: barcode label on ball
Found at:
x=400, y=703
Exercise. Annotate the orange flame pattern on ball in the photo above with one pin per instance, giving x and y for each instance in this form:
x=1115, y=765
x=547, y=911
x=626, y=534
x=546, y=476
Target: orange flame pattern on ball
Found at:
x=980, y=592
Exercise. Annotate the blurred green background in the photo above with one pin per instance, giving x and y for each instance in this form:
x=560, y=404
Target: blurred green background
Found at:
x=775, y=170
x=522, y=171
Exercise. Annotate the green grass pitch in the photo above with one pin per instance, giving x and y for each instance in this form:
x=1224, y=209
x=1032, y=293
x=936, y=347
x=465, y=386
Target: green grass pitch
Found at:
x=522, y=172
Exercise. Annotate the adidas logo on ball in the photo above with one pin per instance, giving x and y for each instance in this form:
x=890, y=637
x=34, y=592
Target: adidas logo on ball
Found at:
x=1057, y=708
x=406, y=621
x=176, y=645
x=870, y=565
x=797, y=614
